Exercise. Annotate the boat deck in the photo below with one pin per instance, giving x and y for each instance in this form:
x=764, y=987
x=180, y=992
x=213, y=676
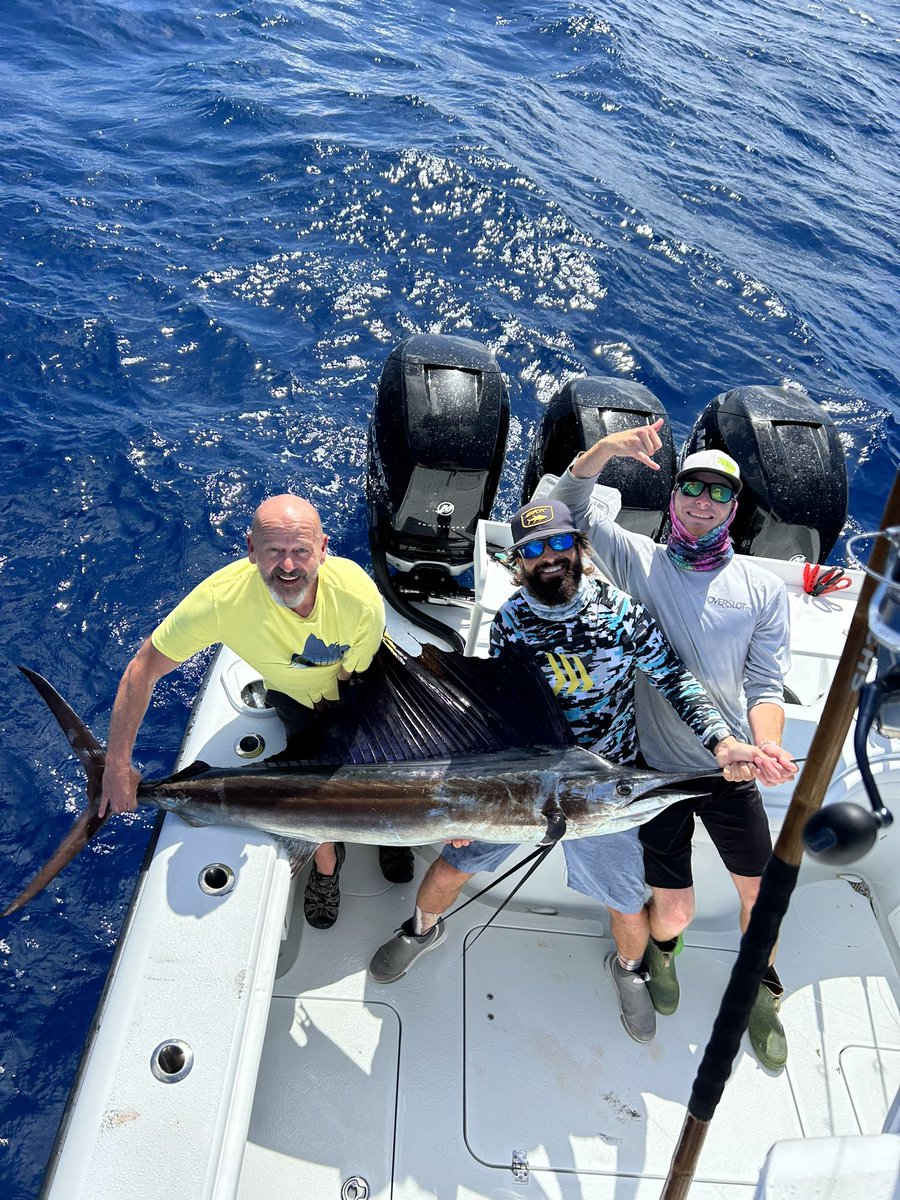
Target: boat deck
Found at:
x=238, y=1051
x=428, y=1087
x=512, y=1045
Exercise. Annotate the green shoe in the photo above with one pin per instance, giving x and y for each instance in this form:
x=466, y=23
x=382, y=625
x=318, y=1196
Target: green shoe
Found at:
x=765, y=1028
x=663, y=983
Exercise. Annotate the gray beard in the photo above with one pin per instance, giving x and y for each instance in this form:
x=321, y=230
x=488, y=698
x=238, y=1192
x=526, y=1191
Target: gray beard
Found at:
x=282, y=601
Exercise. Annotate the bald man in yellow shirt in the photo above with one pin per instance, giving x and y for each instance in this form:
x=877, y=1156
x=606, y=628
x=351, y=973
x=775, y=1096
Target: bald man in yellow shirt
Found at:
x=303, y=618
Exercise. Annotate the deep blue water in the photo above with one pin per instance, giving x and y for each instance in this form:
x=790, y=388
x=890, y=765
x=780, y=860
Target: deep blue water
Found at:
x=216, y=221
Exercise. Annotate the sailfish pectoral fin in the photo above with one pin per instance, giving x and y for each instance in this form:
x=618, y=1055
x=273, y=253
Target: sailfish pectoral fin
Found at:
x=298, y=852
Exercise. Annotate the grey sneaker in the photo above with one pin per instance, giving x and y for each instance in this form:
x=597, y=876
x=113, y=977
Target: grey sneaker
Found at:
x=635, y=1004
x=392, y=960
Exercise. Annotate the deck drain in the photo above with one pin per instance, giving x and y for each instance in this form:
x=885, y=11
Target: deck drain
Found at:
x=216, y=880
x=251, y=745
x=171, y=1061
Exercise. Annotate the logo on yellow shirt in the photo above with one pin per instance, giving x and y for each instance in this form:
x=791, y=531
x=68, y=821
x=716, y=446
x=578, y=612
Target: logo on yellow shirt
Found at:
x=316, y=654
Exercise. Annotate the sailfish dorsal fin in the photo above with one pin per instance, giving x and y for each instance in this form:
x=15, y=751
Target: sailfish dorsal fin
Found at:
x=437, y=705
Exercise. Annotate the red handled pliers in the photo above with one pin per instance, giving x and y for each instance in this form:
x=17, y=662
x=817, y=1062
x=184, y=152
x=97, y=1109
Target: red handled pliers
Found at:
x=833, y=579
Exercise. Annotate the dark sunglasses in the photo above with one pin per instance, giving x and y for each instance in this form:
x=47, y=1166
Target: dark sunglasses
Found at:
x=720, y=492
x=556, y=541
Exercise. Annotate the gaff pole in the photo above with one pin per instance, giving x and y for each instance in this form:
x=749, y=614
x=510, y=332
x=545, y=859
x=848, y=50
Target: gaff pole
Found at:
x=779, y=878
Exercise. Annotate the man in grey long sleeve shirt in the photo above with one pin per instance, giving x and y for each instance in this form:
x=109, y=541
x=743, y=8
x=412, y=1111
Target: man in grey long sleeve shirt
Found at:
x=727, y=619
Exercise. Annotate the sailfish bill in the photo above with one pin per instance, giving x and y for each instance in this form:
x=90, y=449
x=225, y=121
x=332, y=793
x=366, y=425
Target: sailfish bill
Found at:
x=416, y=750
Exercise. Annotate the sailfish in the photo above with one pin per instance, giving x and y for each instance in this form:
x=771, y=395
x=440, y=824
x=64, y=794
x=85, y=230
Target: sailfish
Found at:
x=417, y=749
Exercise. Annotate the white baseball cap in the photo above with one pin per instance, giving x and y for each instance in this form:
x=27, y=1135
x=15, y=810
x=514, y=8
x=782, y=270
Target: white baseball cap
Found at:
x=711, y=460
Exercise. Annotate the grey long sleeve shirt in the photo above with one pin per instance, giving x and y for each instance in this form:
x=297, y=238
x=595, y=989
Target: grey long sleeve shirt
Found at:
x=730, y=626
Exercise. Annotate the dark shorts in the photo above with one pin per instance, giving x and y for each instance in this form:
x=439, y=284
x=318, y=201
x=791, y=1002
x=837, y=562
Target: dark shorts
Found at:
x=296, y=717
x=735, y=820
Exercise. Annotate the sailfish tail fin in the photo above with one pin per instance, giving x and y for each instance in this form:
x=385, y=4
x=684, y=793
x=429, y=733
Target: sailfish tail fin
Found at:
x=92, y=757
x=90, y=753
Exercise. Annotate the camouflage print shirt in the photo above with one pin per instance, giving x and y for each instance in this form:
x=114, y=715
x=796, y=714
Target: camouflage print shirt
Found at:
x=590, y=657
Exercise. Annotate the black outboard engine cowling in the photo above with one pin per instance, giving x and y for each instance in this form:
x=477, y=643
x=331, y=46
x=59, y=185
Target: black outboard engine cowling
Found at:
x=794, y=499
x=582, y=412
x=437, y=438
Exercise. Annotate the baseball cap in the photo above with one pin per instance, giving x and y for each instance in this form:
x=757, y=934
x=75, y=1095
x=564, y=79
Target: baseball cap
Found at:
x=540, y=520
x=711, y=460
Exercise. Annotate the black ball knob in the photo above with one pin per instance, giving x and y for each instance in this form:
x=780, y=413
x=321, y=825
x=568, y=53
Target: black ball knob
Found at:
x=840, y=833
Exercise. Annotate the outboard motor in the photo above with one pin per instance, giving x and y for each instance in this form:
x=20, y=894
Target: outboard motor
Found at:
x=437, y=438
x=794, y=499
x=585, y=410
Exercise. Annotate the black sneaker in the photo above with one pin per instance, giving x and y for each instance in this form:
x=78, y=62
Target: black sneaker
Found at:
x=322, y=897
x=397, y=863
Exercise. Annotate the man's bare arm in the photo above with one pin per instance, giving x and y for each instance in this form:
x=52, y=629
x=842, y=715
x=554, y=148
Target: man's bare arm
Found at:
x=120, y=779
x=767, y=727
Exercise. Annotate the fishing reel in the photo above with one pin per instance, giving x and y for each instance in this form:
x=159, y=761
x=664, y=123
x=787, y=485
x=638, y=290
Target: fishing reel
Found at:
x=840, y=833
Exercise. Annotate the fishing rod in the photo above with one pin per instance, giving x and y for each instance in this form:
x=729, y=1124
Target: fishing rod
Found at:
x=805, y=827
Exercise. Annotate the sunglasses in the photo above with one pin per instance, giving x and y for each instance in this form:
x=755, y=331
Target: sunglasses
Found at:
x=720, y=492
x=556, y=541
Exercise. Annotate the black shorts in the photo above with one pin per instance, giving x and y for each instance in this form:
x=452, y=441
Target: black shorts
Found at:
x=735, y=820
x=297, y=718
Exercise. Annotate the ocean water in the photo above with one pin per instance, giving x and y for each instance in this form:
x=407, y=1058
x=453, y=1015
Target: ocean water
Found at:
x=217, y=220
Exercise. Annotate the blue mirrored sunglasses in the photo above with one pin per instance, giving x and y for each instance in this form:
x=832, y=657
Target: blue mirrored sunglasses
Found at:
x=556, y=541
x=720, y=492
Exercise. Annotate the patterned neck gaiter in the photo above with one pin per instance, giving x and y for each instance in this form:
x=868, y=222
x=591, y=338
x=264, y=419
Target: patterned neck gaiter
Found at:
x=706, y=553
x=560, y=612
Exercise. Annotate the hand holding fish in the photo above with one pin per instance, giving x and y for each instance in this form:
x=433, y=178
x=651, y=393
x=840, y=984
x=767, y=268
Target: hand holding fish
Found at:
x=767, y=727
x=776, y=765
x=119, y=789
x=640, y=443
x=120, y=779
x=737, y=759
x=743, y=761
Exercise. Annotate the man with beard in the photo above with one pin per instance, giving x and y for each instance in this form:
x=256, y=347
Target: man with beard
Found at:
x=590, y=640
x=727, y=618
x=303, y=618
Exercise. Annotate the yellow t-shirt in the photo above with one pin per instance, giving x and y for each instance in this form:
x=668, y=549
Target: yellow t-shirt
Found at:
x=300, y=656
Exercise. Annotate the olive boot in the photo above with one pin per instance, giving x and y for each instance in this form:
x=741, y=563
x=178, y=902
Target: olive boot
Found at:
x=663, y=983
x=764, y=1026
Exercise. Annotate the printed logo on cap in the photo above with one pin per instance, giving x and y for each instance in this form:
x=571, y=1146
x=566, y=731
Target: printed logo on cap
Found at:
x=728, y=464
x=532, y=517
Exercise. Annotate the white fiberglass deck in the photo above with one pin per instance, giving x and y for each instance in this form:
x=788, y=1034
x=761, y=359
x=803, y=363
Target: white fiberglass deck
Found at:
x=425, y=1089
x=518, y=1047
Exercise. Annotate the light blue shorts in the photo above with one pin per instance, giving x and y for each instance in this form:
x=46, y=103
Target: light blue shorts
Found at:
x=609, y=868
